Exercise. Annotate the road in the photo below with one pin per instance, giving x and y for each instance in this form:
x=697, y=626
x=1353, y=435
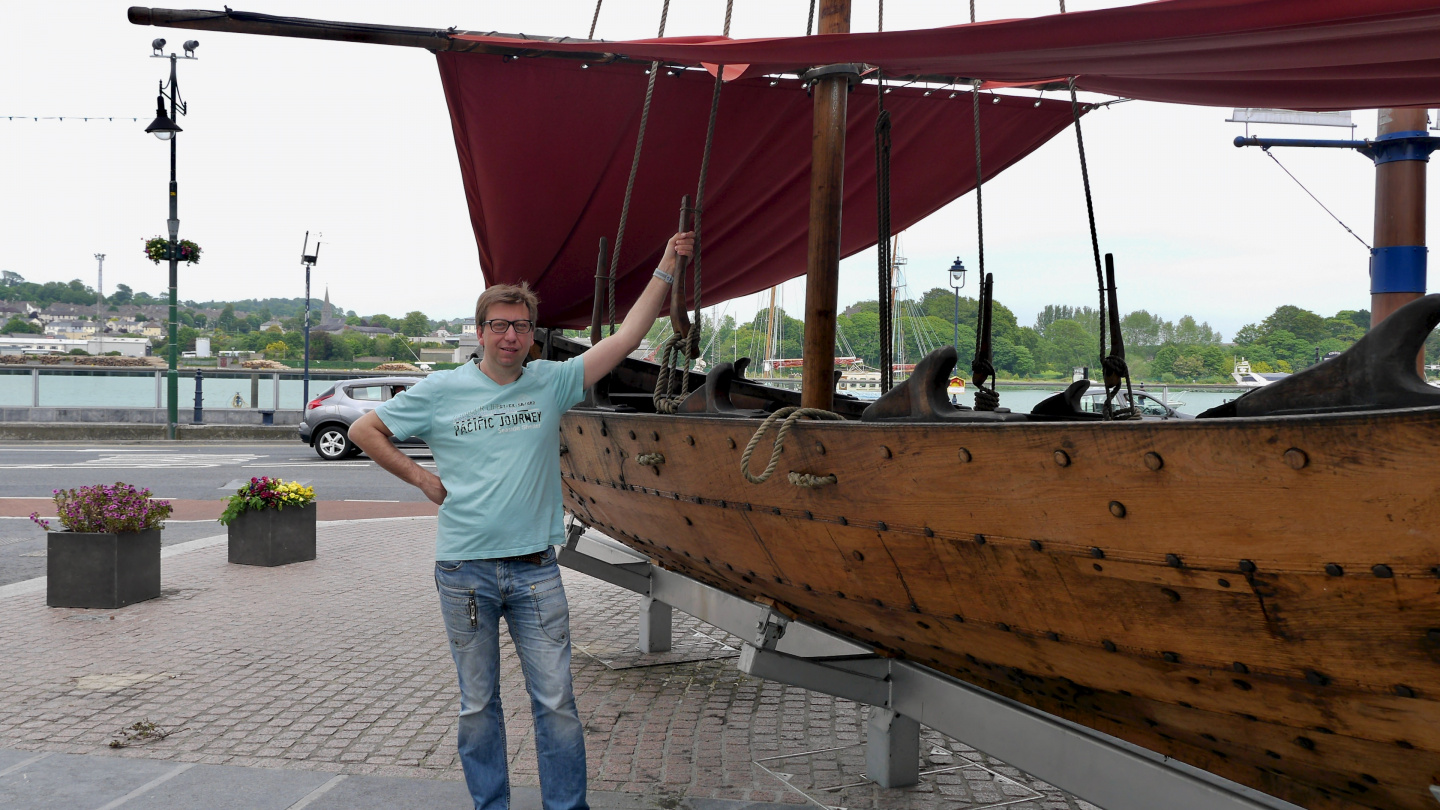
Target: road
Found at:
x=195, y=476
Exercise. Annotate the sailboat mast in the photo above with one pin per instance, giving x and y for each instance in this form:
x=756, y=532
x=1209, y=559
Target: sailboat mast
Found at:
x=770, y=330
x=827, y=186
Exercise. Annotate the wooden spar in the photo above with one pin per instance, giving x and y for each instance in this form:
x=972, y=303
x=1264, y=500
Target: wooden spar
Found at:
x=431, y=39
x=601, y=275
x=827, y=187
x=1399, y=206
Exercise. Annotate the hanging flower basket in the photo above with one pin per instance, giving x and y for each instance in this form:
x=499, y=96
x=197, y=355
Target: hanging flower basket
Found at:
x=157, y=250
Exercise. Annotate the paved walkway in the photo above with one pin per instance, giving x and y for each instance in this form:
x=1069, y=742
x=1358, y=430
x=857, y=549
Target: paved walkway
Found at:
x=328, y=684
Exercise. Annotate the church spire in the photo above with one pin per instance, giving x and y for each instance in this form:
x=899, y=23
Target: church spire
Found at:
x=325, y=308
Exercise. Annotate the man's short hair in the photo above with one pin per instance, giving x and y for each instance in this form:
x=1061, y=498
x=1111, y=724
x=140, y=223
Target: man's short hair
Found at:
x=506, y=294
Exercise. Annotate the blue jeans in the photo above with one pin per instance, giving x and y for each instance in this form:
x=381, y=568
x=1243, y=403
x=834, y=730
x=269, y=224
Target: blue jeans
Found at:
x=474, y=594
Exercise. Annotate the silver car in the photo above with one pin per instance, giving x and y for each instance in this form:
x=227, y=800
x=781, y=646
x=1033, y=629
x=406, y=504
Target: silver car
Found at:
x=328, y=417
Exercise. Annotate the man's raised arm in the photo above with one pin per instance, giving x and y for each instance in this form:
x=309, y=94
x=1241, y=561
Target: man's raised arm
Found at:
x=603, y=357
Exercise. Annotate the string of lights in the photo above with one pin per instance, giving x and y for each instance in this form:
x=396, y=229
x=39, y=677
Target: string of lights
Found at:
x=67, y=118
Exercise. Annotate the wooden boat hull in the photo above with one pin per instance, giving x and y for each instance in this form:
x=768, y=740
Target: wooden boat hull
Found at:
x=1165, y=583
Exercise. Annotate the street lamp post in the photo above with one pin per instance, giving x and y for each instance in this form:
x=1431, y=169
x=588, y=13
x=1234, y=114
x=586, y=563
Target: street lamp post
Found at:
x=957, y=280
x=165, y=128
x=308, y=259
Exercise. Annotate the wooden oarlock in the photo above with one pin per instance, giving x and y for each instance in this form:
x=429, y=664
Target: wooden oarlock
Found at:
x=601, y=275
x=679, y=318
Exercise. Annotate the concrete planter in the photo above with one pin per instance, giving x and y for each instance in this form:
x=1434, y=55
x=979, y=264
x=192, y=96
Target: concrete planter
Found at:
x=102, y=570
x=273, y=536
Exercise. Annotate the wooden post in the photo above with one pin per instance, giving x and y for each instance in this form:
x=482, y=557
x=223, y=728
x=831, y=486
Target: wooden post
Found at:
x=827, y=187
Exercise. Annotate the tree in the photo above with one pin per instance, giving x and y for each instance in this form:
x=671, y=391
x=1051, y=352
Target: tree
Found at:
x=1164, y=362
x=276, y=350
x=9, y=278
x=1140, y=328
x=122, y=295
x=1290, y=348
x=1188, y=367
x=227, y=322
x=1071, y=345
x=1302, y=323
x=1249, y=333
x=415, y=324
x=20, y=326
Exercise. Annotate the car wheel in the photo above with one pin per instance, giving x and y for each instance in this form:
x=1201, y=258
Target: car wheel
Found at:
x=333, y=443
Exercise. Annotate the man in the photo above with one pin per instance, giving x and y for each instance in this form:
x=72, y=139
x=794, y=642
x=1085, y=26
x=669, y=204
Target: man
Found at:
x=493, y=427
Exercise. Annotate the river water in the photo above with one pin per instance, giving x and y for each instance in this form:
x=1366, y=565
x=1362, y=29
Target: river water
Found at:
x=224, y=389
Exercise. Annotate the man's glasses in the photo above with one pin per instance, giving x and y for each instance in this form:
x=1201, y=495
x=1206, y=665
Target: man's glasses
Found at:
x=500, y=327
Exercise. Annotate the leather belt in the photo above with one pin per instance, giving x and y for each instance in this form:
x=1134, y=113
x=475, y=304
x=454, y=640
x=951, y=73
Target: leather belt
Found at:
x=535, y=558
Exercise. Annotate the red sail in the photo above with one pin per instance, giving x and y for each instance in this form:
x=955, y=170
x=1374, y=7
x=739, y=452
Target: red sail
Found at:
x=545, y=147
x=1294, y=54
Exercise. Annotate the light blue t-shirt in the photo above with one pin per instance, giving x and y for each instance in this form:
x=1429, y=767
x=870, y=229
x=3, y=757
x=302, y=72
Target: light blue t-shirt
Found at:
x=497, y=450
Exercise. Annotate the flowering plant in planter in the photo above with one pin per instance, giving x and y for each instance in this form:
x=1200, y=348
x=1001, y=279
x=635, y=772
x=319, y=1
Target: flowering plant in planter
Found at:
x=266, y=493
x=106, y=508
x=157, y=250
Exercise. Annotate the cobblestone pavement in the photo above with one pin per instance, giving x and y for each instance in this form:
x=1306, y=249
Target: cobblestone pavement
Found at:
x=340, y=666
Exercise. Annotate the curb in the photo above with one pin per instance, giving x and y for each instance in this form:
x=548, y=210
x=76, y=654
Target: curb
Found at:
x=72, y=431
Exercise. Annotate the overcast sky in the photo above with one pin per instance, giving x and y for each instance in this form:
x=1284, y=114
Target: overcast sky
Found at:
x=286, y=135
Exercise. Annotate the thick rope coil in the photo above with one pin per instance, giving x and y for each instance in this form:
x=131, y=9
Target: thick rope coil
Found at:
x=790, y=415
x=650, y=459
x=986, y=399
x=810, y=481
x=666, y=397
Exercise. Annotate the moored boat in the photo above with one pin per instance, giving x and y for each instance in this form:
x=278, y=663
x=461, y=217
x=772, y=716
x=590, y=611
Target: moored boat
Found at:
x=1090, y=566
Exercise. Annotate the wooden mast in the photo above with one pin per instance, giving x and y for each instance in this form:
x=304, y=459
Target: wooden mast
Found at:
x=1397, y=262
x=827, y=186
x=1399, y=203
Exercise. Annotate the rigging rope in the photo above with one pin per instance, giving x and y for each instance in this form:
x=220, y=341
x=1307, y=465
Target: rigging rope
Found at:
x=665, y=396
x=1271, y=155
x=791, y=415
x=595, y=19
x=634, y=165
x=1090, y=210
x=809, y=26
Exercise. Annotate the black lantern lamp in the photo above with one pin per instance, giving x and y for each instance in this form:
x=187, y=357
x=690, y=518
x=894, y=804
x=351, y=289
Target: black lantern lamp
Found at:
x=163, y=127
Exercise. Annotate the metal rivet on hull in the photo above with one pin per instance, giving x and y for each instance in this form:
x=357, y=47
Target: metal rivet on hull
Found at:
x=1247, y=567
x=1174, y=561
x=1154, y=461
x=1062, y=458
x=1382, y=571
x=1334, y=570
x=1297, y=459
x=964, y=456
x=1117, y=509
